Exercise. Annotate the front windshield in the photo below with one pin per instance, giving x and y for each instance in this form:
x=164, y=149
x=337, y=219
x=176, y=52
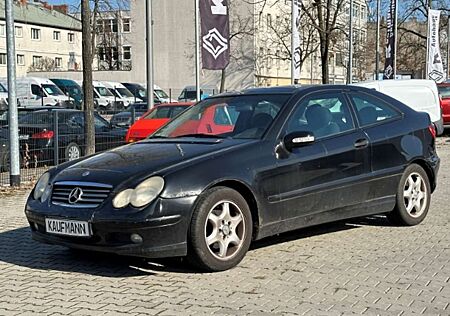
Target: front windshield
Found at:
x=51, y=89
x=161, y=94
x=114, y=92
x=124, y=92
x=74, y=91
x=239, y=117
x=103, y=92
x=444, y=91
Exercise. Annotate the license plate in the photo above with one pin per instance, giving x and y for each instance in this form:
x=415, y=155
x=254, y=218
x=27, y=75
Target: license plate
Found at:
x=24, y=137
x=67, y=228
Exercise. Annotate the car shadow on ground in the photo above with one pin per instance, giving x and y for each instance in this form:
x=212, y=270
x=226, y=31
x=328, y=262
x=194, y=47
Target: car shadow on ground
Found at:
x=17, y=248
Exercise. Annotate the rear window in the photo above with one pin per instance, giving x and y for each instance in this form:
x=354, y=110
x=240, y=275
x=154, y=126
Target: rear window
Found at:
x=165, y=112
x=444, y=91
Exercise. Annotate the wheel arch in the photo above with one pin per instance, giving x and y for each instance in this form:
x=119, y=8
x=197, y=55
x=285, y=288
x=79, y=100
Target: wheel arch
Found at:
x=247, y=194
x=429, y=171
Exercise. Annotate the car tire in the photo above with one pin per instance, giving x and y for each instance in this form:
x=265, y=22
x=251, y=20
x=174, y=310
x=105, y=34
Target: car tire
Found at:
x=413, y=197
x=4, y=162
x=220, y=231
x=72, y=152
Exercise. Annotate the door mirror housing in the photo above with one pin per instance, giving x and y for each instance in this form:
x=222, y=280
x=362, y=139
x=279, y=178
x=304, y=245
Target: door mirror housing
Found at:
x=298, y=139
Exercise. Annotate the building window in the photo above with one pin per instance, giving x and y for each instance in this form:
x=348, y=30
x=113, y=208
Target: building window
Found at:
x=2, y=58
x=363, y=13
x=99, y=26
x=21, y=60
x=127, y=52
x=37, y=61
x=18, y=31
x=35, y=34
x=126, y=25
x=114, y=25
x=58, y=62
x=2, y=30
x=56, y=36
x=269, y=19
x=71, y=37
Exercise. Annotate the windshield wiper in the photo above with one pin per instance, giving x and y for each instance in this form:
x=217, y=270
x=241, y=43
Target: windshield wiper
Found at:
x=200, y=135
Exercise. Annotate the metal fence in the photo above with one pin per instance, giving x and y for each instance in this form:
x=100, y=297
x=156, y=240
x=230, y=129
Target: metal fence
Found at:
x=51, y=136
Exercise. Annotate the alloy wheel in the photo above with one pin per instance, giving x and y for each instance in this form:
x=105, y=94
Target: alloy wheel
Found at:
x=415, y=195
x=225, y=230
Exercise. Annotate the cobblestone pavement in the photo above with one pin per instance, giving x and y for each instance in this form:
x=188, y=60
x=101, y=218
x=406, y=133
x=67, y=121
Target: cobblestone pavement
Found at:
x=362, y=266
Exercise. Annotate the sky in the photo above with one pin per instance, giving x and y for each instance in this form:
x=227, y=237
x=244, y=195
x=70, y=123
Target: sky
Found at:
x=75, y=4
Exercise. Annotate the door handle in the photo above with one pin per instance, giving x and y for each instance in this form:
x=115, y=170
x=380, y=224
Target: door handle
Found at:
x=361, y=143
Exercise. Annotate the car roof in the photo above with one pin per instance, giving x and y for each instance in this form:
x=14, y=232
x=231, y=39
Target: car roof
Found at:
x=176, y=104
x=290, y=90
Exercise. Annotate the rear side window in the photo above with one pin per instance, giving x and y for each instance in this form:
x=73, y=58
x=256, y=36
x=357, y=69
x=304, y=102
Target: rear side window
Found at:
x=371, y=110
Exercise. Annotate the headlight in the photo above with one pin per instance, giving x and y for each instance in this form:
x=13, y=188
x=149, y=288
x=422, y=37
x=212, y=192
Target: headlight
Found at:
x=41, y=185
x=122, y=199
x=140, y=196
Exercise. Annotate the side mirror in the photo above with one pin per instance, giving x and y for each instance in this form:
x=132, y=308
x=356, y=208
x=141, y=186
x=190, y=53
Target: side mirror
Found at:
x=298, y=139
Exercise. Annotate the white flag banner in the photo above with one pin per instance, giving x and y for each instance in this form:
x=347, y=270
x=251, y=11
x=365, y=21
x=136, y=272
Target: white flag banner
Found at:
x=435, y=69
x=296, y=54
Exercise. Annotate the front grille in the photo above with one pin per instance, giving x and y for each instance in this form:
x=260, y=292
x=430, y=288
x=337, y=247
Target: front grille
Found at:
x=80, y=194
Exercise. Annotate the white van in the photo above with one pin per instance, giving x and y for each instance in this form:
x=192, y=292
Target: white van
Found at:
x=420, y=95
x=121, y=93
x=3, y=98
x=103, y=98
x=34, y=91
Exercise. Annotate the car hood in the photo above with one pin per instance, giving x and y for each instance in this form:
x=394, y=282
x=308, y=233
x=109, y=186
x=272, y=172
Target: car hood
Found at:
x=140, y=160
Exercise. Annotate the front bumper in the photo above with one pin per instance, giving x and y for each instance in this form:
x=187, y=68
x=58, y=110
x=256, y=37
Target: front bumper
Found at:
x=162, y=236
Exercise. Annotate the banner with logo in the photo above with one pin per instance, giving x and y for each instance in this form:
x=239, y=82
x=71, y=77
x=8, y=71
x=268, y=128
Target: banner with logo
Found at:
x=215, y=34
x=435, y=67
x=296, y=54
x=391, y=41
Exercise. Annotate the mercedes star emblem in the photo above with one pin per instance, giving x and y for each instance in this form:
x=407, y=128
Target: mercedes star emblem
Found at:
x=75, y=195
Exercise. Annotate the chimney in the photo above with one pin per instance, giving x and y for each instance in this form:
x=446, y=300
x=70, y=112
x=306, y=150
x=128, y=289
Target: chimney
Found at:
x=63, y=8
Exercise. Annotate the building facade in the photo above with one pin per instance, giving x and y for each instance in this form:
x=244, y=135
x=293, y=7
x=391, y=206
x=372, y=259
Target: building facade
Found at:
x=45, y=39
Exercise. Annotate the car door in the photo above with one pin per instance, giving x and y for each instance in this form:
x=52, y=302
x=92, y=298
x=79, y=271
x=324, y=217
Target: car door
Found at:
x=325, y=174
x=382, y=124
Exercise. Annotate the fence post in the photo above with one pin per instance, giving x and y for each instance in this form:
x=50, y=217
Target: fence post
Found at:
x=133, y=115
x=170, y=95
x=55, y=138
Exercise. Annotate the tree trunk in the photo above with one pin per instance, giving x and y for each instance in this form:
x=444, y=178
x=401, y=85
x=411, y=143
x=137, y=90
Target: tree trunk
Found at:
x=222, y=80
x=87, y=78
x=324, y=52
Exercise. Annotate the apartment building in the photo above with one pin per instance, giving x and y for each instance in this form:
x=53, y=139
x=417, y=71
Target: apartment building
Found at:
x=46, y=38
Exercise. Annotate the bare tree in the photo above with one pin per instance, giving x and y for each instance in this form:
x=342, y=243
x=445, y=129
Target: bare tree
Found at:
x=280, y=34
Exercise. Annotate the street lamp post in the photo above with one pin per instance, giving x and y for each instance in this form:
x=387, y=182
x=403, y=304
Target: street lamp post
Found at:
x=150, y=72
x=350, y=46
x=377, y=57
x=12, y=102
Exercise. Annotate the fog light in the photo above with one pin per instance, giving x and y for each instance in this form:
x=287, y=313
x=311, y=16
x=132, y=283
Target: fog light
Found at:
x=137, y=239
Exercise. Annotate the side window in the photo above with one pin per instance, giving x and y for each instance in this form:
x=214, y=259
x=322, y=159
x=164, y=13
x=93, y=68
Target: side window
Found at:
x=322, y=114
x=36, y=90
x=75, y=121
x=372, y=110
x=100, y=123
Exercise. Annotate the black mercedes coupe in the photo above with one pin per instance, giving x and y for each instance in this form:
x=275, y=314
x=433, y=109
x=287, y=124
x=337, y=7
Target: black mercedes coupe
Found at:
x=240, y=167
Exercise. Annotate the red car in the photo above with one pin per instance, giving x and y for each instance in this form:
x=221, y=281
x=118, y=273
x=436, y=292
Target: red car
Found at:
x=153, y=120
x=444, y=93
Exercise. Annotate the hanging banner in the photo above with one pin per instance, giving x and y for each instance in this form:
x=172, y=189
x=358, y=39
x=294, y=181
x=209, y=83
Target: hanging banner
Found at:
x=435, y=67
x=215, y=34
x=297, y=53
x=391, y=41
